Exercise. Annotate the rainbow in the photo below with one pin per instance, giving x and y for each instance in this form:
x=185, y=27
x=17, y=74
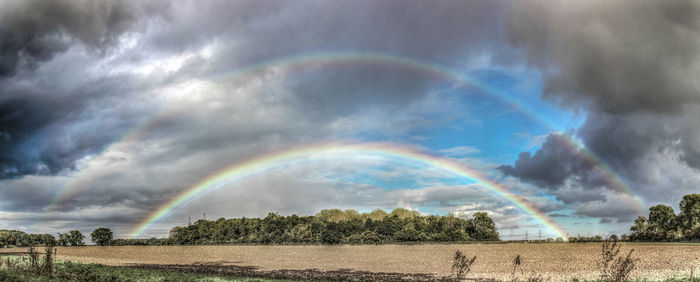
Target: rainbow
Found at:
x=83, y=180
x=324, y=151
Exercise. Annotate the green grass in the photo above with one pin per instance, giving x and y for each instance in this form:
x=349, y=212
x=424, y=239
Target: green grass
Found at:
x=72, y=271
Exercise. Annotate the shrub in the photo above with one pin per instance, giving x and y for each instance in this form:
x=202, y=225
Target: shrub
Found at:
x=461, y=265
x=613, y=267
x=622, y=267
x=49, y=255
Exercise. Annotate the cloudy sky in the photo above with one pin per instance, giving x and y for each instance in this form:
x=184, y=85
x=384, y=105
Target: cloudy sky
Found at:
x=109, y=109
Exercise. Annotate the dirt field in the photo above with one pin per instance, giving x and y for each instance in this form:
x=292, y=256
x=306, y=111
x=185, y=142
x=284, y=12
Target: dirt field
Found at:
x=554, y=261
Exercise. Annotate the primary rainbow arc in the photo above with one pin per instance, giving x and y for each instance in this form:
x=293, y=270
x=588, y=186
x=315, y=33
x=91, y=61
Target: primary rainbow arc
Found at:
x=311, y=152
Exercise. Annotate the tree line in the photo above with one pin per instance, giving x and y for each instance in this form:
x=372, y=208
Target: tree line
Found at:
x=332, y=226
x=15, y=238
x=338, y=227
x=663, y=224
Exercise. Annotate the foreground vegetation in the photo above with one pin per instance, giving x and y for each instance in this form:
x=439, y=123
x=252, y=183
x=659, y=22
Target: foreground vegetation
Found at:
x=613, y=262
x=27, y=269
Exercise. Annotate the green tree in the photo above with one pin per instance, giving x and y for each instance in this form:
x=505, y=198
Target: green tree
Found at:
x=483, y=227
x=662, y=221
x=76, y=238
x=332, y=215
x=331, y=235
x=409, y=234
x=102, y=236
x=689, y=215
x=640, y=229
x=402, y=213
x=377, y=214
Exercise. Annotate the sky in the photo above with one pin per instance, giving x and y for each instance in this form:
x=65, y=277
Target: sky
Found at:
x=586, y=110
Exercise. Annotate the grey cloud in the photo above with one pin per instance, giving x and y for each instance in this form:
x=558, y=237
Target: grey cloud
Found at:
x=614, y=206
x=47, y=118
x=573, y=192
x=249, y=33
x=33, y=31
x=621, y=56
x=551, y=165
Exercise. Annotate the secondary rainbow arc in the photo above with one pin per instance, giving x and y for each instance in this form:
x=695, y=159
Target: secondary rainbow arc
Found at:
x=610, y=175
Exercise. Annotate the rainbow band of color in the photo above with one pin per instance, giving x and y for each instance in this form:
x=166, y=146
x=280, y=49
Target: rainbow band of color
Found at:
x=321, y=58
x=612, y=178
x=263, y=163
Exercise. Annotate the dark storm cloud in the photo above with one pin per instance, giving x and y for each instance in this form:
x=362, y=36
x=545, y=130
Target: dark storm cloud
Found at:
x=538, y=168
x=33, y=30
x=35, y=115
x=632, y=67
x=613, y=56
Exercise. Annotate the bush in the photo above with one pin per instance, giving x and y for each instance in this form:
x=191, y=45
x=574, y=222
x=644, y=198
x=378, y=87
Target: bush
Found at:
x=613, y=267
x=461, y=265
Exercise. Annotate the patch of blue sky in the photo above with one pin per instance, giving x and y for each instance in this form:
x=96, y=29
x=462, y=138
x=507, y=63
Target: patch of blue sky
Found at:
x=501, y=127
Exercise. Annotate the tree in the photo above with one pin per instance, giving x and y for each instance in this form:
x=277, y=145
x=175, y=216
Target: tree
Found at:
x=662, y=220
x=484, y=227
x=102, y=236
x=402, y=213
x=689, y=215
x=75, y=238
x=639, y=229
x=331, y=235
x=377, y=214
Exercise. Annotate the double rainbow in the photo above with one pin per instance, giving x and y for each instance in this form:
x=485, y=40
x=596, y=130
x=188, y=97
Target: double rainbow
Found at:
x=614, y=181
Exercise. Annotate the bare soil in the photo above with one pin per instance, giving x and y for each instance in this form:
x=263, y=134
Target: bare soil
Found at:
x=558, y=261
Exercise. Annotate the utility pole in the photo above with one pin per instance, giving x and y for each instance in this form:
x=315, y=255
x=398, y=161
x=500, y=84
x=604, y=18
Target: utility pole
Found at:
x=526, y=236
x=189, y=220
x=539, y=233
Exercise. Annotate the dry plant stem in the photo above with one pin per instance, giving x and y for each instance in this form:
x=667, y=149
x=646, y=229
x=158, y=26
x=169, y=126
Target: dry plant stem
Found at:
x=516, y=264
x=609, y=250
x=461, y=264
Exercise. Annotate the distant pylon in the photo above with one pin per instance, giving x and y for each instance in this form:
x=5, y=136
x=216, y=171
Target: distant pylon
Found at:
x=525, y=235
x=189, y=220
x=539, y=234
x=205, y=215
